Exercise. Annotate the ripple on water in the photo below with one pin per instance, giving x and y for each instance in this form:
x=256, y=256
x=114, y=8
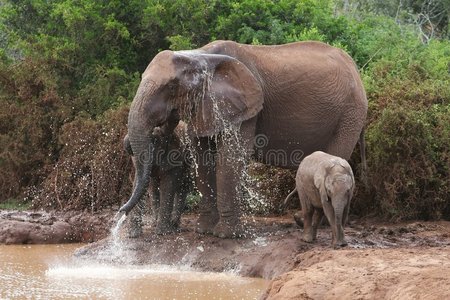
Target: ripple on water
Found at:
x=102, y=271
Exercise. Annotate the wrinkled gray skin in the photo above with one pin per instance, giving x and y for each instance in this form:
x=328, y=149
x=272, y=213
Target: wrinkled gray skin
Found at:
x=170, y=182
x=325, y=184
x=304, y=96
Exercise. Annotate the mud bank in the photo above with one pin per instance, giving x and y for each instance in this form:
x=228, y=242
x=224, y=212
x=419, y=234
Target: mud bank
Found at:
x=413, y=273
x=40, y=227
x=268, y=249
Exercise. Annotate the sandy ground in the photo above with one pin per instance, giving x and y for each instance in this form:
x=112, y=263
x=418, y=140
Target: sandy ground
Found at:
x=382, y=261
x=415, y=273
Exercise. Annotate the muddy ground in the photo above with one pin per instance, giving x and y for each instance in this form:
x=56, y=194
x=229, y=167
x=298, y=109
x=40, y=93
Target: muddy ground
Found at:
x=382, y=261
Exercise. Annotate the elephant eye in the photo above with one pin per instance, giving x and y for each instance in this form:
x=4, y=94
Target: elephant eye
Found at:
x=328, y=195
x=172, y=89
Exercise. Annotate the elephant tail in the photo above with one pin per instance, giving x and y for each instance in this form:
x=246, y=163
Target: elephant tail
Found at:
x=362, y=146
x=286, y=201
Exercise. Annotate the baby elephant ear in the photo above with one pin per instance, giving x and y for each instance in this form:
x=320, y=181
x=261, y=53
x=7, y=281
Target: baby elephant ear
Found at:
x=319, y=182
x=229, y=93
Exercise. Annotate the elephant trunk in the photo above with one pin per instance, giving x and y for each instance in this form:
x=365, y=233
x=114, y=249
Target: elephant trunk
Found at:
x=143, y=152
x=339, y=207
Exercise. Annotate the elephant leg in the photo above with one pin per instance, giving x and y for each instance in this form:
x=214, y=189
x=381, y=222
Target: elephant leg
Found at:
x=169, y=184
x=316, y=220
x=156, y=195
x=176, y=211
x=345, y=215
x=329, y=213
x=308, y=212
x=179, y=202
x=346, y=136
x=206, y=185
x=231, y=162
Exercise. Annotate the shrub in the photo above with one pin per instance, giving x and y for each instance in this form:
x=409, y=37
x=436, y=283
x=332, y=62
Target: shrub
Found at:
x=93, y=170
x=272, y=185
x=32, y=112
x=409, y=162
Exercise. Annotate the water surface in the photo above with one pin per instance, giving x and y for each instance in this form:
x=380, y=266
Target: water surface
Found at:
x=50, y=272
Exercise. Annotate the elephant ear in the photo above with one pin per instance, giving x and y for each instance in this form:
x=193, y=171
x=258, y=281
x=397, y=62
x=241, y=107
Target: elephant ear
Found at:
x=221, y=91
x=319, y=181
x=350, y=173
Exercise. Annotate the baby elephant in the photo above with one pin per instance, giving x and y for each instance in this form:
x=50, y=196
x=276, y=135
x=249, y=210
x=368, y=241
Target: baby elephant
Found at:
x=324, y=183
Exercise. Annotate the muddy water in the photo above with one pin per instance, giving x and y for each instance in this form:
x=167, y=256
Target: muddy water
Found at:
x=50, y=272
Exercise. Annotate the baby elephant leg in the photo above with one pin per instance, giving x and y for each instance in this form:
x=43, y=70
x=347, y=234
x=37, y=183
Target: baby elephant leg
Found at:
x=316, y=220
x=308, y=212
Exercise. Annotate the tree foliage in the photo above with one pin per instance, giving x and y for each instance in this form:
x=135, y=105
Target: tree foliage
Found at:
x=69, y=68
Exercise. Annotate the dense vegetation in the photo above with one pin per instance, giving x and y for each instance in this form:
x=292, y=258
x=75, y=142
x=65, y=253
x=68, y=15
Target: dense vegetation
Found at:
x=69, y=68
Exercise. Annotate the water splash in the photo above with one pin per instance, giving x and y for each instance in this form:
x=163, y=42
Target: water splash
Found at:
x=116, y=248
x=230, y=135
x=120, y=217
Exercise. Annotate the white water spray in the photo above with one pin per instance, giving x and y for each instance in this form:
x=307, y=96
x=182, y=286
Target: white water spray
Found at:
x=116, y=228
x=229, y=135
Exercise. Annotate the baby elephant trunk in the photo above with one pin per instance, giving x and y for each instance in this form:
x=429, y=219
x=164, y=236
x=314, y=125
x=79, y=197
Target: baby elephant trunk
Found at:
x=339, y=208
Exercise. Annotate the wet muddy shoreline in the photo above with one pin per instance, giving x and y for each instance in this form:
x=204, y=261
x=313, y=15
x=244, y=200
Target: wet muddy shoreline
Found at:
x=272, y=249
x=270, y=246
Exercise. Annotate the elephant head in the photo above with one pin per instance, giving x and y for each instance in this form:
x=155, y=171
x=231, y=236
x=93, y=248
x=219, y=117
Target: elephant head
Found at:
x=335, y=183
x=207, y=91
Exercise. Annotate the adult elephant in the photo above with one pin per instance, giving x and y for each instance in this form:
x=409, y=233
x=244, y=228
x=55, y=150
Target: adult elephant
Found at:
x=303, y=96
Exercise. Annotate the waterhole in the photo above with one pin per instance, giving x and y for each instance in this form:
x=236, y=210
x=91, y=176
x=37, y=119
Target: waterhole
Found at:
x=51, y=272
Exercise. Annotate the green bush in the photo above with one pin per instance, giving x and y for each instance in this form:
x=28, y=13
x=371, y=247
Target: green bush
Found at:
x=408, y=131
x=409, y=162
x=68, y=68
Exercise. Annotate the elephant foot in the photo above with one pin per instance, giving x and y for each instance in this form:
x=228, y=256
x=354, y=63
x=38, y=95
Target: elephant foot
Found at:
x=163, y=229
x=308, y=237
x=206, y=223
x=340, y=244
x=298, y=219
x=226, y=230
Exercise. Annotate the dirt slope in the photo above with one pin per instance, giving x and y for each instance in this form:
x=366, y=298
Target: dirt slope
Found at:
x=416, y=273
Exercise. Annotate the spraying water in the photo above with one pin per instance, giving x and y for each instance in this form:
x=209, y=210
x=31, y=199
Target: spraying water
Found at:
x=230, y=135
x=115, y=250
x=120, y=217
